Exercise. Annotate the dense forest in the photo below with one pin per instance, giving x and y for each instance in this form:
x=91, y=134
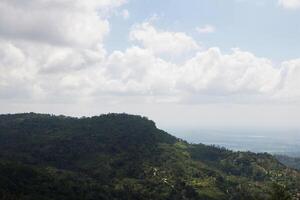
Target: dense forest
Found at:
x=126, y=157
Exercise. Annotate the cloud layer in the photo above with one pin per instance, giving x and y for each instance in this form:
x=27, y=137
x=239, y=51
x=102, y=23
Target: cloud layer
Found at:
x=53, y=52
x=65, y=23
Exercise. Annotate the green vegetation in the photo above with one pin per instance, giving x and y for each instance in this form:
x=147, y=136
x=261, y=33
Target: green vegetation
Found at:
x=125, y=157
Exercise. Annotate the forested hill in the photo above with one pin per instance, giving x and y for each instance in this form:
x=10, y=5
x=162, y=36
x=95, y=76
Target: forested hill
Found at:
x=126, y=157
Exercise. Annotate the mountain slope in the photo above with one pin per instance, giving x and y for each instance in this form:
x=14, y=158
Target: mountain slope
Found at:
x=120, y=156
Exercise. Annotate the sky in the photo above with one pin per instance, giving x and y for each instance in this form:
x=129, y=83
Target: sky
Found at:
x=192, y=63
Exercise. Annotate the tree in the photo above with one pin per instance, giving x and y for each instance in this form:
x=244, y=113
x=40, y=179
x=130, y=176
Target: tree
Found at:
x=279, y=192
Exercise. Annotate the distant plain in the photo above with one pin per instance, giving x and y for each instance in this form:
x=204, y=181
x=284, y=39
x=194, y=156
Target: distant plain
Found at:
x=283, y=142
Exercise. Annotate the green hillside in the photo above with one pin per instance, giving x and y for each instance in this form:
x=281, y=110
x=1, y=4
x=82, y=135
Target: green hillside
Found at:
x=120, y=157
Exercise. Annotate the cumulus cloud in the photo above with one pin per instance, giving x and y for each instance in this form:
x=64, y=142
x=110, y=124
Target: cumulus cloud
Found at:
x=15, y=72
x=238, y=75
x=235, y=75
x=289, y=4
x=211, y=74
x=138, y=71
x=67, y=22
x=50, y=48
x=59, y=55
x=162, y=42
x=40, y=72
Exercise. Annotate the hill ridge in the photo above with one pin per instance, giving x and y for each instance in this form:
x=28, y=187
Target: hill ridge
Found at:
x=122, y=156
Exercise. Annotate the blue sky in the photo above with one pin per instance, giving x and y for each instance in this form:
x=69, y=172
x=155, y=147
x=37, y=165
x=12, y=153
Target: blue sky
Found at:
x=261, y=27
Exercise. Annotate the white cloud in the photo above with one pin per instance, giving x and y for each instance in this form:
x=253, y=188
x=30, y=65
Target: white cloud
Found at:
x=206, y=29
x=58, y=55
x=42, y=72
x=138, y=71
x=66, y=22
x=238, y=76
x=216, y=74
x=51, y=48
x=290, y=83
x=162, y=42
x=289, y=4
